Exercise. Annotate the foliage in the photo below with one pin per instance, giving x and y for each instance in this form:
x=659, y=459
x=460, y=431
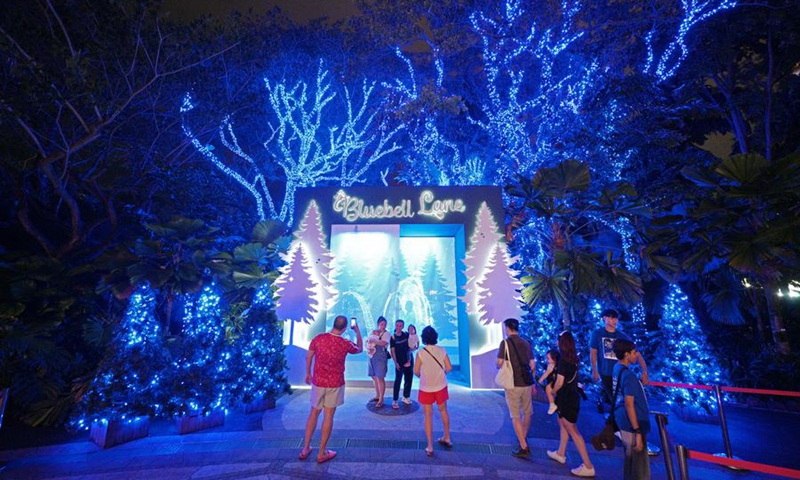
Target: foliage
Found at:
x=582, y=255
x=744, y=221
x=46, y=309
x=215, y=351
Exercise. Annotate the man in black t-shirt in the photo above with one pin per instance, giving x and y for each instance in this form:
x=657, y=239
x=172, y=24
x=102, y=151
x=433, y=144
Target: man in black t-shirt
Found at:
x=518, y=398
x=403, y=364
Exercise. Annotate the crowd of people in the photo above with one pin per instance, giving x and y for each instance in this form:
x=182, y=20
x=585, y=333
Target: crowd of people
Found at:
x=611, y=355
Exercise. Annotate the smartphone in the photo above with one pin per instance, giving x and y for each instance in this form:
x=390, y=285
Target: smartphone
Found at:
x=352, y=322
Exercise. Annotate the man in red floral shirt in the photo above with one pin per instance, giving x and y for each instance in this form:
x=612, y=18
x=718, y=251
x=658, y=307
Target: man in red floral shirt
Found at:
x=327, y=383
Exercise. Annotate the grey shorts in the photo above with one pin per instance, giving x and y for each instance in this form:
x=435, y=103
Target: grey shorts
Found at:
x=519, y=398
x=322, y=397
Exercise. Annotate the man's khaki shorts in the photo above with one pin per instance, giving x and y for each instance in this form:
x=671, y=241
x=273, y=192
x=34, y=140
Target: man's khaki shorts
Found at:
x=322, y=397
x=519, y=398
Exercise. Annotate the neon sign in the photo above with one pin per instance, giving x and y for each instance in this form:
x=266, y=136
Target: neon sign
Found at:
x=353, y=208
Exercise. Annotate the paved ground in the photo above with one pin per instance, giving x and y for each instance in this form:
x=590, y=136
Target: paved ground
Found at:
x=373, y=446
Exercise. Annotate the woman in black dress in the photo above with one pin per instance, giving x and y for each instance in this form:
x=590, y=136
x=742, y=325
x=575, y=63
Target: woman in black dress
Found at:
x=568, y=401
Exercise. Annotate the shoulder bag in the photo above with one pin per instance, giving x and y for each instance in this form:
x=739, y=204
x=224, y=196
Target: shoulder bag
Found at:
x=606, y=440
x=527, y=374
x=505, y=376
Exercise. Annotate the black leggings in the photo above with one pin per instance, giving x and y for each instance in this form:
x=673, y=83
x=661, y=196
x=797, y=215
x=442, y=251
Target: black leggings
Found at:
x=607, y=389
x=399, y=375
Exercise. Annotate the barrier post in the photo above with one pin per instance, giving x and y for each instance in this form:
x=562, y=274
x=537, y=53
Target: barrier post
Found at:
x=661, y=421
x=726, y=439
x=683, y=461
x=3, y=401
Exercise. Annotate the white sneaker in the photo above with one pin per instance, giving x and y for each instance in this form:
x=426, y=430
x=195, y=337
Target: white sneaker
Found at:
x=553, y=409
x=562, y=459
x=582, y=471
x=407, y=401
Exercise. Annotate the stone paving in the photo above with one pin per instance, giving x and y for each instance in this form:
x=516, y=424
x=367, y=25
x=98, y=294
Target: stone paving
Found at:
x=369, y=446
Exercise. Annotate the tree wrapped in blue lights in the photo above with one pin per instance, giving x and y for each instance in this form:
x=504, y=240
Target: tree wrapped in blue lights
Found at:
x=197, y=376
x=130, y=380
x=684, y=354
x=316, y=136
x=255, y=364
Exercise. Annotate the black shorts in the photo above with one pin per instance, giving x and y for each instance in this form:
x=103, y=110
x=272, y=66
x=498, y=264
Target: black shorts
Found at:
x=568, y=401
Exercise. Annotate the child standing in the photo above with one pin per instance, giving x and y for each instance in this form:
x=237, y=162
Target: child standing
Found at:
x=549, y=379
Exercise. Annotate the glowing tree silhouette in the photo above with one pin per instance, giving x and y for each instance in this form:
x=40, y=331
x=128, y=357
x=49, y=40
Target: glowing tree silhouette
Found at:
x=498, y=291
x=481, y=243
x=309, y=234
x=296, y=288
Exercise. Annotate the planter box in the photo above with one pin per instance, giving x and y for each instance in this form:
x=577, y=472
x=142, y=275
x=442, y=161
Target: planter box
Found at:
x=107, y=434
x=260, y=405
x=199, y=421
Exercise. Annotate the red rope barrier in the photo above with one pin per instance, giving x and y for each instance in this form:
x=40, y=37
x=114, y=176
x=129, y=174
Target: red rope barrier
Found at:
x=782, y=393
x=744, y=464
x=756, y=391
x=680, y=385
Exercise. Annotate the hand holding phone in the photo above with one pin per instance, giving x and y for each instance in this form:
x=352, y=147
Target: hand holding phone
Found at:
x=353, y=322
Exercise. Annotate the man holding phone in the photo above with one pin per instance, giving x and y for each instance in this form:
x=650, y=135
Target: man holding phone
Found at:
x=327, y=352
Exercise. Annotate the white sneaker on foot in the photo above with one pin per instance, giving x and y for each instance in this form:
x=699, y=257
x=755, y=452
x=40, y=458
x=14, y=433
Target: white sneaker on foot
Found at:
x=582, y=471
x=553, y=409
x=562, y=459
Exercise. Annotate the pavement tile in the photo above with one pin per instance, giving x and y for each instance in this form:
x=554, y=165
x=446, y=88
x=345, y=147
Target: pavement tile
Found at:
x=234, y=470
x=369, y=446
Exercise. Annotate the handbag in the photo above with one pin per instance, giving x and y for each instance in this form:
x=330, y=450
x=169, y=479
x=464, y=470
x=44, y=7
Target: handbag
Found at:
x=606, y=440
x=527, y=374
x=505, y=376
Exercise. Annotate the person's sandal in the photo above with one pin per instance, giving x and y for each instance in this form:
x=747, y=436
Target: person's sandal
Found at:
x=305, y=453
x=373, y=399
x=329, y=454
x=379, y=404
x=395, y=405
x=429, y=452
x=445, y=443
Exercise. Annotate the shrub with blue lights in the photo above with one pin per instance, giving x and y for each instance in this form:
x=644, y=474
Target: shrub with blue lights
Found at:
x=684, y=355
x=130, y=379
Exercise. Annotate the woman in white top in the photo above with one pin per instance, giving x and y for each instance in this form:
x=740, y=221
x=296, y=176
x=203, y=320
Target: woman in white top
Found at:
x=431, y=367
x=377, y=351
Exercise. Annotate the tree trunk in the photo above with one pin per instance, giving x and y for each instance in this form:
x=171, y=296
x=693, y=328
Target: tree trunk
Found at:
x=566, y=318
x=754, y=299
x=776, y=322
x=768, y=86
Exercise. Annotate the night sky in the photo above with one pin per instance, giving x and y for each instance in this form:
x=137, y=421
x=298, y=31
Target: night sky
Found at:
x=298, y=10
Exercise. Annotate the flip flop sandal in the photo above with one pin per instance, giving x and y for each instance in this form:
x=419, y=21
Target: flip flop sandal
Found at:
x=379, y=405
x=446, y=444
x=395, y=406
x=329, y=454
x=305, y=453
x=429, y=452
x=373, y=399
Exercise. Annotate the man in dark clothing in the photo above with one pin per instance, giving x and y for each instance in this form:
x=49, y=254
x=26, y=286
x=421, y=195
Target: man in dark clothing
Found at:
x=403, y=364
x=518, y=398
x=602, y=355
